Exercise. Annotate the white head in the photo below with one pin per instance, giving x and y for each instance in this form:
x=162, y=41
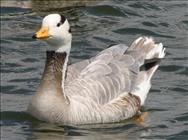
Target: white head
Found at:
x=55, y=30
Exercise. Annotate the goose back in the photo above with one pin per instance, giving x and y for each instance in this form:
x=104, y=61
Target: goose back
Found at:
x=104, y=77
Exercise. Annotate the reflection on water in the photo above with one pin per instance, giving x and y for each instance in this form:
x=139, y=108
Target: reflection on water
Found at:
x=95, y=25
x=101, y=131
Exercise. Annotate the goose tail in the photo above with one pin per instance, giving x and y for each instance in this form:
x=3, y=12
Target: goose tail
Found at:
x=152, y=53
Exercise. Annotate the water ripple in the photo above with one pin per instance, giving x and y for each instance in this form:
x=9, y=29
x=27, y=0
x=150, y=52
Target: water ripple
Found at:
x=182, y=117
x=105, y=10
x=150, y=24
x=178, y=136
x=146, y=32
x=130, y=12
x=145, y=6
x=29, y=60
x=12, y=118
x=171, y=68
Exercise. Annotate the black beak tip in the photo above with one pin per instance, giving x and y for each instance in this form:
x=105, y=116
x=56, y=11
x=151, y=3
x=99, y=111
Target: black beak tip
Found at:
x=34, y=36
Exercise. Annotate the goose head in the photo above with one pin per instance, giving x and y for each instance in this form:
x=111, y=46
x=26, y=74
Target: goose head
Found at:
x=55, y=30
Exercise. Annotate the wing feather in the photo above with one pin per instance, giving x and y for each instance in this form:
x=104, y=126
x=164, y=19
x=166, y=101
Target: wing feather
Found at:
x=104, y=77
x=74, y=70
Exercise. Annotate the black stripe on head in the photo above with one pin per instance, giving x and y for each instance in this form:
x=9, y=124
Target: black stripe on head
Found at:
x=63, y=18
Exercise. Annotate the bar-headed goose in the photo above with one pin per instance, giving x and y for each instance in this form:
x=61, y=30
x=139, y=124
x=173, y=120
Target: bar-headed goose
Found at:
x=109, y=87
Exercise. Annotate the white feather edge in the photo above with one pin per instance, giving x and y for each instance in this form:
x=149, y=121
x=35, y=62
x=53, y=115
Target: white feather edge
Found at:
x=143, y=87
x=65, y=49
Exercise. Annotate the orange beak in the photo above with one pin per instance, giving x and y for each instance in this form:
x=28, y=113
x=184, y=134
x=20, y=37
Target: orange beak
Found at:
x=43, y=33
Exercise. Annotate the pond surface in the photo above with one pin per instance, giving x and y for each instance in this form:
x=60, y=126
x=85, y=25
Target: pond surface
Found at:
x=95, y=25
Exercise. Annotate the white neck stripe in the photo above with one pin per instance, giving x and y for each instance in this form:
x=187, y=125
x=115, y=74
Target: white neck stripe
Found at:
x=65, y=49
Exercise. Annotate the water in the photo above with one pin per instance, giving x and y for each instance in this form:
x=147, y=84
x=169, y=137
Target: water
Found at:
x=95, y=25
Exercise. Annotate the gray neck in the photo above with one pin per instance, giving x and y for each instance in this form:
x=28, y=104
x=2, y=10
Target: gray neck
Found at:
x=53, y=73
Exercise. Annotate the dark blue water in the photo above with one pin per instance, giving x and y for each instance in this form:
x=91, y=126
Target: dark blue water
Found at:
x=95, y=25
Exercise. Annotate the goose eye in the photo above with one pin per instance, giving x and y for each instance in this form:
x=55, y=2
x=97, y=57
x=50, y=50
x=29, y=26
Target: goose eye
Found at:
x=58, y=24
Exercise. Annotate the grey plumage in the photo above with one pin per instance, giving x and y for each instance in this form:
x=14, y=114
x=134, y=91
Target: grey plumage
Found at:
x=104, y=88
x=109, y=87
x=107, y=74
